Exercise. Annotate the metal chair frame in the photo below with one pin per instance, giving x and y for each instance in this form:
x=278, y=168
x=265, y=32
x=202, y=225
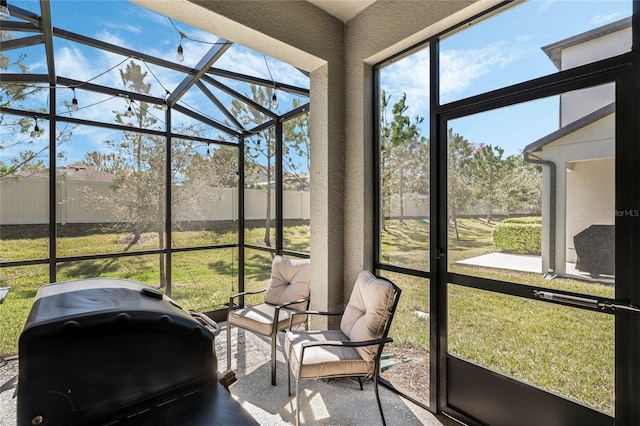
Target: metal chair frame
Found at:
x=274, y=329
x=381, y=342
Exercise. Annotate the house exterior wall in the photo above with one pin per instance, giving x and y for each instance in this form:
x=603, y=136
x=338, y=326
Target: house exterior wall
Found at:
x=584, y=146
x=575, y=105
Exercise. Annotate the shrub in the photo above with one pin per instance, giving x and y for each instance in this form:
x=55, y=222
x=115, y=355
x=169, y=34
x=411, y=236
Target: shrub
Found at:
x=524, y=220
x=522, y=237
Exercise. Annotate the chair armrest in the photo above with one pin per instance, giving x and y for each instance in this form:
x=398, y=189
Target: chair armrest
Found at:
x=297, y=312
x=244, y=293
x=292, y=302
x=348, y=344
x=276, y=315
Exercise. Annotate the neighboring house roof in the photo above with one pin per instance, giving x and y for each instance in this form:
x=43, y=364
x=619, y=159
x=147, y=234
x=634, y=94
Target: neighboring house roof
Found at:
x=554, y=50
x=73, y=172
x=88, y=173
x=571, y=127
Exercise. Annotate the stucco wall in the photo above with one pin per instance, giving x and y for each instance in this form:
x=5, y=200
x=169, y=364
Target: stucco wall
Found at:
x=590, y=197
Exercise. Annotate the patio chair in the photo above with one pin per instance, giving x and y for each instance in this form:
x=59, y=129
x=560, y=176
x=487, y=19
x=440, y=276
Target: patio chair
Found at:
x=289, y=288
x=352, y=351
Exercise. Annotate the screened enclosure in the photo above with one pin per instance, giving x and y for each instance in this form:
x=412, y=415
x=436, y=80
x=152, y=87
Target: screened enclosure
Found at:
x=140, y=147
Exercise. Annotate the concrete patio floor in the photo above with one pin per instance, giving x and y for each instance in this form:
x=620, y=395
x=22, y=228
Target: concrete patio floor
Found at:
x=528, y=263
x=338, y=402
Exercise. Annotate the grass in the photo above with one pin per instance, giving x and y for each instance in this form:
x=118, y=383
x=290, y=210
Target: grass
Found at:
x=561, y=349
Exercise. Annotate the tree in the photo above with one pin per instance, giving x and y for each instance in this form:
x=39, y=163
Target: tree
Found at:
x=459, y=179
x=137, y=160
x=489, y=170
x=404, y=155
x=296, y=151
x=521, y=187
x=16, y=96
x=261, y=155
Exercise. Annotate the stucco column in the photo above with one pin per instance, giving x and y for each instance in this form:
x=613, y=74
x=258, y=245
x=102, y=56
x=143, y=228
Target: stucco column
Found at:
x=327, y=190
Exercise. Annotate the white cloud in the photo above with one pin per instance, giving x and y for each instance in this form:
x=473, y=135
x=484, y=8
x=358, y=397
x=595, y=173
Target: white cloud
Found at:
x=409, y=75
x=460, y=68
x=604, y=19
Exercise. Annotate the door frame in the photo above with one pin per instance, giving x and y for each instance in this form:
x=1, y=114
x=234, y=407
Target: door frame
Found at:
x=460, y=384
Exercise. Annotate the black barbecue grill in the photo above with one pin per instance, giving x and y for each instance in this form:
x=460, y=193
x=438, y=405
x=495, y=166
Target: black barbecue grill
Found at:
x=108, y=351
x=596, y=250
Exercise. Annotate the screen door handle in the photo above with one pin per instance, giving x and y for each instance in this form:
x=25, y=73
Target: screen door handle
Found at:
x=584, y=301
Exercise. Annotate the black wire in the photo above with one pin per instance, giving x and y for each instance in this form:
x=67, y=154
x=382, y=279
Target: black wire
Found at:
x=154, y=76
x=183, y=35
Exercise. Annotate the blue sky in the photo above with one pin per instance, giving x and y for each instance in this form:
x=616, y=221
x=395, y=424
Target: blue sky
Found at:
x=485, y=56
x=496, y=53
x=125, y=24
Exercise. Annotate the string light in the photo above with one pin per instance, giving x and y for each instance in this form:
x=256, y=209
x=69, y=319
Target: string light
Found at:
x=180, y=51
x=129, y=112
x=37, y=132
x=274, y=97
x=4, y=10
x=180, y=54
x=74, y=101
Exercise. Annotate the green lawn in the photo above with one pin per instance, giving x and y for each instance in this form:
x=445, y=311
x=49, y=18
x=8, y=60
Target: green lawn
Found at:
x=561, y=349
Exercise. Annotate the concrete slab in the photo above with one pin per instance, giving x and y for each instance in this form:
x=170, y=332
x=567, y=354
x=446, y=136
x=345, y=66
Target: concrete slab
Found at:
x=530, y=263
x=512, y=262
x=335, y=402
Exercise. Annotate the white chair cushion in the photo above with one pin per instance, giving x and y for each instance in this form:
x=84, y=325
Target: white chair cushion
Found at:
x=259, y=318
x=324, y=361
x=290, y=280
x=367, y=312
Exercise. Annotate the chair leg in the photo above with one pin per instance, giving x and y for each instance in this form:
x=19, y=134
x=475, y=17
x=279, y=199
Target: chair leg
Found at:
x=375, y=387
x=360, y=382
x=228, y=345
x=298, y=390
x=274, y=342
x=289, y=376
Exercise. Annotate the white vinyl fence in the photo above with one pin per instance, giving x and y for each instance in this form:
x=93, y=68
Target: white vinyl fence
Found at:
x=25, y=201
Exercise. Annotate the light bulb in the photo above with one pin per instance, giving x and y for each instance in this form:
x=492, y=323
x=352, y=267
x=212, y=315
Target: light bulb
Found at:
x=164, y=106
x=180, y=54
x=274, y=100
x=37, y=132
x=74, y=101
